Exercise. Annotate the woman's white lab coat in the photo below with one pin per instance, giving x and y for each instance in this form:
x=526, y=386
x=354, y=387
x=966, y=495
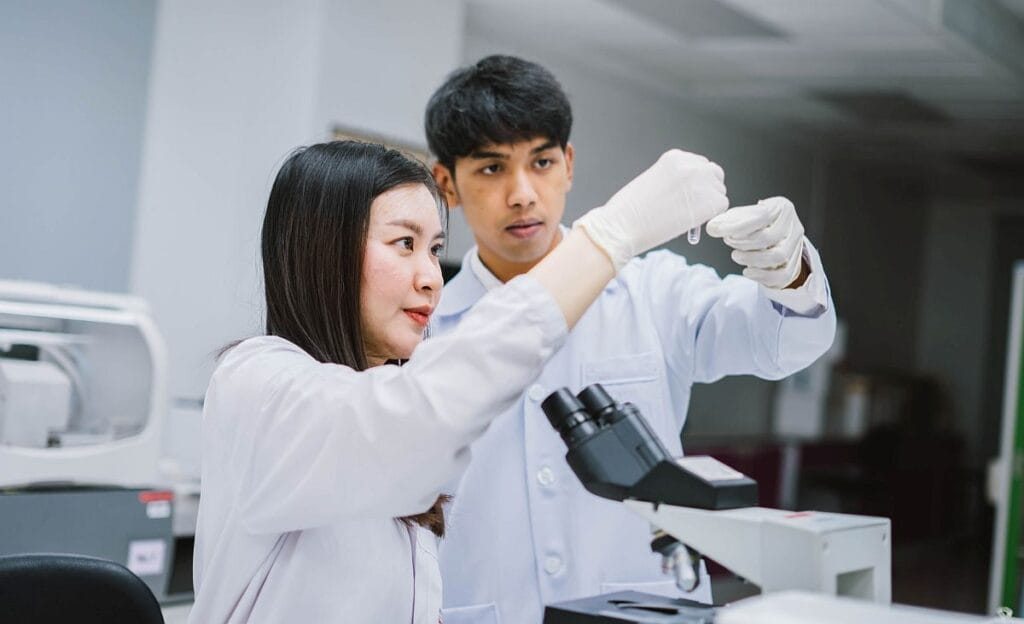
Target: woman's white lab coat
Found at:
x=307, y=465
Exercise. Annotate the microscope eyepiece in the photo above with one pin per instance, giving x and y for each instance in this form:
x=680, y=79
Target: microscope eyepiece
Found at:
x=598, y=403
x=568, y=416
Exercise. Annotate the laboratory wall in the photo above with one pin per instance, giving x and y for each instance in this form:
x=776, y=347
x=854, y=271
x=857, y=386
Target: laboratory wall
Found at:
x=875, y=236
x=955, y=312
x=236, y=86
x=73, y=80
x=971, y=243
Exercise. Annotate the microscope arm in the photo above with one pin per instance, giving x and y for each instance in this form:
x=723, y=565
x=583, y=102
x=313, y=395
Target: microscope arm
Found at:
x=777, y=550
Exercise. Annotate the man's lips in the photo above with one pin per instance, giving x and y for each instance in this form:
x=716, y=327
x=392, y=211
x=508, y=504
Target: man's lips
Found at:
x=524, y=229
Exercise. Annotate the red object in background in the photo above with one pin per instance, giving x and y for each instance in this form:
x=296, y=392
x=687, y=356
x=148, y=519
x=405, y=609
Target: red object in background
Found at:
x=151, y=496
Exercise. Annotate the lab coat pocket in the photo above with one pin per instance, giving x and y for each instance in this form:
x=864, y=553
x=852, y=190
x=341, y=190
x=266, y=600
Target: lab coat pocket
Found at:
x=633, y=379
x=620, y=370
x=428, y=578
x=473, y=614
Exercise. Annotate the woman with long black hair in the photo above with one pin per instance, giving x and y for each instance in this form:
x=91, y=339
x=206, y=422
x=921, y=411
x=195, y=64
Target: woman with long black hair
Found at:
x=324, y=460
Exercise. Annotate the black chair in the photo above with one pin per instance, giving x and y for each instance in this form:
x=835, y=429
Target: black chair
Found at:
x=73, y=588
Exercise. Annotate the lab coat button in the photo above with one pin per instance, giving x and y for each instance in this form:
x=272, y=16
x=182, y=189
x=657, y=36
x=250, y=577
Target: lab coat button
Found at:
x=545, y=476
x=552, y=564
x=536, y=393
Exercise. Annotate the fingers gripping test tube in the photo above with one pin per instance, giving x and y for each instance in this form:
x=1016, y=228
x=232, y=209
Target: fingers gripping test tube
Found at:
x=693, y=235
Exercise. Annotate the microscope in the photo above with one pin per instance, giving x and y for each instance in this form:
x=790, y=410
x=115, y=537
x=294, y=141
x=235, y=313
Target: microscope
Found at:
x=697, y=507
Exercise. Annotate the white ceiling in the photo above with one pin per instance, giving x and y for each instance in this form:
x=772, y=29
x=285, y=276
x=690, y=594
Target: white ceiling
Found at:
x=782, y=64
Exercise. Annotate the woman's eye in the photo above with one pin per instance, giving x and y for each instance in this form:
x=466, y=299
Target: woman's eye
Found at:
x=437, y=249
x=405, y=243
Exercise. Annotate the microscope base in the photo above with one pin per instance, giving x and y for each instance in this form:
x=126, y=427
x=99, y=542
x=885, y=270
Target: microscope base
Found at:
x=629, y=606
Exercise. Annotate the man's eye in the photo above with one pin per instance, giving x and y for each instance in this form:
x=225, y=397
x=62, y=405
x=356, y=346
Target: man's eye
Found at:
x=544, y=163
x=490, y=169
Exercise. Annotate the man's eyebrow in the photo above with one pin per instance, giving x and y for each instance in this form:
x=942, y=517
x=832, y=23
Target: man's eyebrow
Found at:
x=484, y=154
x=546, y=146
x=416, y=229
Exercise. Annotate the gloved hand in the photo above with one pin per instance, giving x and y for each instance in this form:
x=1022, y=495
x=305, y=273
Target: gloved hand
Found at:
x=678, y=192
x=767, y=238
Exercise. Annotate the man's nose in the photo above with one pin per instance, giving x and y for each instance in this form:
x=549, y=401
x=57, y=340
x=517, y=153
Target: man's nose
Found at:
x=522, y=194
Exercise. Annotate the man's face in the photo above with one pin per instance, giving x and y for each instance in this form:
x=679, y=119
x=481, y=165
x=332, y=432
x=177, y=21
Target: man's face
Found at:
x=513, y=197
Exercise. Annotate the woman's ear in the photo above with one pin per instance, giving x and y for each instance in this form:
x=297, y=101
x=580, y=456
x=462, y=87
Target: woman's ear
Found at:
x=446, y=182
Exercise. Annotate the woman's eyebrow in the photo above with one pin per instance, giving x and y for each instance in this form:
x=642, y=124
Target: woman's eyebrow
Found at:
x=416, y=228
x=409, y=225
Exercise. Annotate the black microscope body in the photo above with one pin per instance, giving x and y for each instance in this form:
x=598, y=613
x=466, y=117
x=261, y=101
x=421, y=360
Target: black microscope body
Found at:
x=615, y=455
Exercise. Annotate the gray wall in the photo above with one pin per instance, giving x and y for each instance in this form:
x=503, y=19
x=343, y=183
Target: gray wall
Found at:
x=957, y=336
x=874, y=246
x=954, y=318
x=236, y=86
x=73, y=85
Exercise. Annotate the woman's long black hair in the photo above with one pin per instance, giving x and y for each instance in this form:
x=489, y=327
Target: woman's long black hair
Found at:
x=313, y=243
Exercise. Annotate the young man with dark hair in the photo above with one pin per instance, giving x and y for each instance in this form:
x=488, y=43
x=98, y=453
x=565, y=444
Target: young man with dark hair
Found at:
x=523, y=532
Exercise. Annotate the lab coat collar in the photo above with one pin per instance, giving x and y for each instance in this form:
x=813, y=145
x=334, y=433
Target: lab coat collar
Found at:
x=466, y=288
x=462, y=291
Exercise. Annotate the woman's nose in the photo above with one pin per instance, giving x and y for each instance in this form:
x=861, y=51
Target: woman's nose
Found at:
x=428, y=275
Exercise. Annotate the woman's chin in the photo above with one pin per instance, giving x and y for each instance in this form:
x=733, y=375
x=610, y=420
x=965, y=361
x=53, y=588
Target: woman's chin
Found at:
x=404, y=352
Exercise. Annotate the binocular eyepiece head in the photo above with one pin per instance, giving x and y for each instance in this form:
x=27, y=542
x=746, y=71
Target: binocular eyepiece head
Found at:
x=596, y=401
x=577, y=417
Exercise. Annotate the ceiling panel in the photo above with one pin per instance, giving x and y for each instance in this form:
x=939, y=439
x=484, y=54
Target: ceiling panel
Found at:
x=700, y=19
x=761, y=62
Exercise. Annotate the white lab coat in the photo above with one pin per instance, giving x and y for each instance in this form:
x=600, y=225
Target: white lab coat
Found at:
x=522, y=531
x=306, y=465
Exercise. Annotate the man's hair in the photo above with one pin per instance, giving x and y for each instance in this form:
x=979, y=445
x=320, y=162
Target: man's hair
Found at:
x=499, y=100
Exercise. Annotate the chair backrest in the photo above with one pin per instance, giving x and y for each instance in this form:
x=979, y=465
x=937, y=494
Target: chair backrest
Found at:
x=73, y=588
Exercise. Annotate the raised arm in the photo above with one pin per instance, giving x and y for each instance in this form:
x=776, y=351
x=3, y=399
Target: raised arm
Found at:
x=330, y=442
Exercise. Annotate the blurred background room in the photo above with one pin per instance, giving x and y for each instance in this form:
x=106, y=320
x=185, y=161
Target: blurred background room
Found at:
x=140, y=138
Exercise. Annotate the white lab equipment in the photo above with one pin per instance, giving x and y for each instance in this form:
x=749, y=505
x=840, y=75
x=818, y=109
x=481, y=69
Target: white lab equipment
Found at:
x=829, y=553
x=804, y=608
x=811, y=566
x=81, y=387
x=37, y=388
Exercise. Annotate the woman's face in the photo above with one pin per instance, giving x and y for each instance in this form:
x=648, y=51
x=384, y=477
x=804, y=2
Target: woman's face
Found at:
x=401, y=272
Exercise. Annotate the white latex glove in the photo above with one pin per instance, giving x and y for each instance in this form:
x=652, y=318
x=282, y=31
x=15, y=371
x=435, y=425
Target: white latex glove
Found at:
x=678, y=192
x=767, y=238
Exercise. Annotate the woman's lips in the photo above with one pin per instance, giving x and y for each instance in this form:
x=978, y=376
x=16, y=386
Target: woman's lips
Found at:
x=418, y=317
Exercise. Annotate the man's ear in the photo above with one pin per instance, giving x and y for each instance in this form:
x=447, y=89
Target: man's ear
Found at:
x=446, y=182
x=570, y=153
